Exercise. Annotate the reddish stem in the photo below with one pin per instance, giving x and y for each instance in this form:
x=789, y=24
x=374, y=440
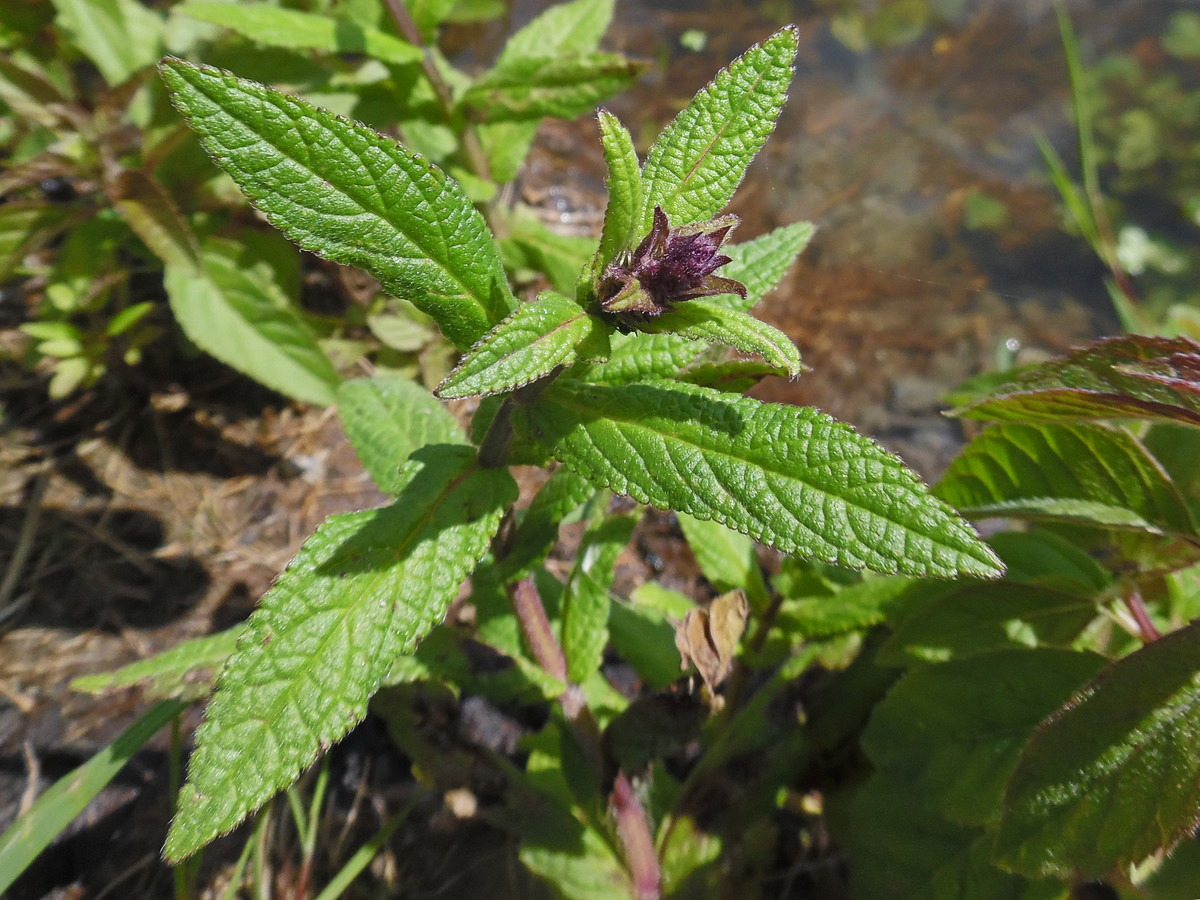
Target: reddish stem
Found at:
x=636, y=840
x=536, y=627
x=1137, y=607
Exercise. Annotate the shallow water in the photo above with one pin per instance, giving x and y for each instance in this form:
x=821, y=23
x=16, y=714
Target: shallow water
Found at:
x=896, y=300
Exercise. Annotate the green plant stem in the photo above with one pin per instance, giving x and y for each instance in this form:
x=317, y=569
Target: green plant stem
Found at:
x=476, y=158
x=636, y=840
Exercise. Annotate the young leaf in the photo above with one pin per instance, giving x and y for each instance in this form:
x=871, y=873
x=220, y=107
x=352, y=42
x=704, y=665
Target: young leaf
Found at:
x=295, y=30
x=954, y=731
x=539, y=337
x=361, y=591
x=1113, y=776
x=562, y=86
x=1134, y=376
x=704, y=320
x=185, y=672
x=564, y=493
x=1092, y=474
x=232, y=308
x=566, y=29
x=622, y=217
x=643, y=357
x=343, y=191
x=697, y=163
x=388, y=417
x=788, y=476
x=585, y=603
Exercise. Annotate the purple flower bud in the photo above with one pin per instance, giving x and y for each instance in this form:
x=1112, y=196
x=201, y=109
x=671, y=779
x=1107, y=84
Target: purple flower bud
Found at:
x=668, y=266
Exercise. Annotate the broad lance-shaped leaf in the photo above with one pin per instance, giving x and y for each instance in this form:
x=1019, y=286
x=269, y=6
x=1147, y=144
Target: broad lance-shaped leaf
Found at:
x=1135, y=376
x=277, y=27
x=1092, y=474
x=552, y=331
x=361, y=591
x=561, y=86
x=697, y=163
x=788, y=476
x=232, y=307
x=1114, y=775
x=349, y=194
x=705, y=320
x=388, y=417
x=623, y=215
x=954, y=731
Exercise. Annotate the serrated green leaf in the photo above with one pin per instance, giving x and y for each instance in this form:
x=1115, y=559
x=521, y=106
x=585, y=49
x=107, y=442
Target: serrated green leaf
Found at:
x=643, y=357
x=361, y=592
x=788, y=476
x=579, y=865
x=954, y=731
x=1113, y=776
x=1092, y=474
x=1133, y=376
x=712, y=321
x=386, y=418
x=1045, y=559
x=295, y=30
x=119, y=36
x=622, y=216
x=585, y=603
x=537, y=86
x=565, y=28
x=731, y=376
x=761, y=263
x=232, y=307
x=54, y=810
x=699, y=160
x=727, y=559
x=539, y=337
x=979, y=618
x=184, y=672
x=564, y=493
x=345, y=192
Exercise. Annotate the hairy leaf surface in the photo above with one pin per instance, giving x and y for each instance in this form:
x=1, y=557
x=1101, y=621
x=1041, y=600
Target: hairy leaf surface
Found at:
x=586, y=603
x=361, y=591
x=1134, y=376
x=343, y=191
x=1091, y=474
x=552, y=331
x=704, y=320
x=1114, y=775
x=699, y=160
x=388, y=417
x=788, y=476
x=623, y=215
